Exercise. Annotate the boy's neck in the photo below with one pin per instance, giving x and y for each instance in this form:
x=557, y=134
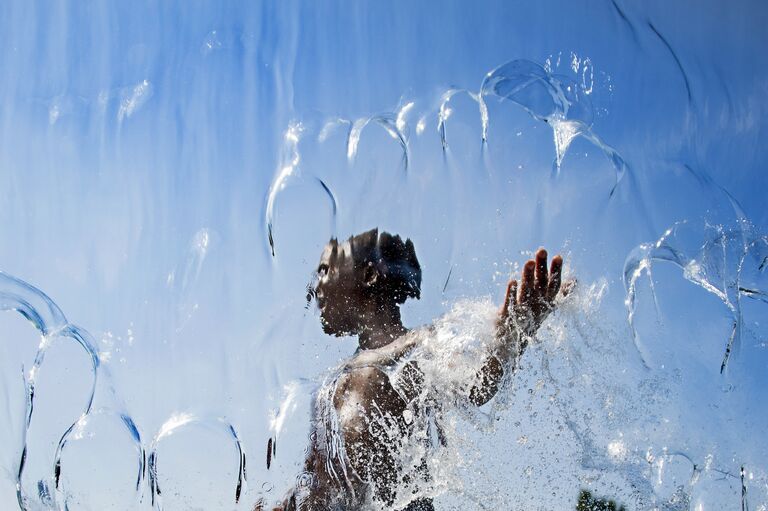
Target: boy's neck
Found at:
x=382, y=326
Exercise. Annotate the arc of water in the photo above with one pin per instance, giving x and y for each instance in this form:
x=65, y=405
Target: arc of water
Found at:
x=49, y=320
x=728, y=289
x=179, y=421
x=129, y=426
x=289, y=168
x=390, y=122
x=445, y=112
x=552, y=99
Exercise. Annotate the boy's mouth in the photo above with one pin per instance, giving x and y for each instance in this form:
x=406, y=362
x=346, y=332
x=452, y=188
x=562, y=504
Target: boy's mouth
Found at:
x=319, y=297
x=321, y=307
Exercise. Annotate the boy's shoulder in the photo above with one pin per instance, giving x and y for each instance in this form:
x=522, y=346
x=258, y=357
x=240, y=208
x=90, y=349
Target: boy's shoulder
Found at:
x=392, y=353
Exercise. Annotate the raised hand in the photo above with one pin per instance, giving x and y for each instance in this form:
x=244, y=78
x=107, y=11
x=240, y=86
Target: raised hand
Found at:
x=526, y=306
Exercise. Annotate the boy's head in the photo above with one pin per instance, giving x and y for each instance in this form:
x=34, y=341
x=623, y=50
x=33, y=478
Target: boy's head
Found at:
x=364, y=275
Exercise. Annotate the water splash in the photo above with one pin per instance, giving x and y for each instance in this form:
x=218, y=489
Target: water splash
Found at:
x=729, y=263
x=423, y=442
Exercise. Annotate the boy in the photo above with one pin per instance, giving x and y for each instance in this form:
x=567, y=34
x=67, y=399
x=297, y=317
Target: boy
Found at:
x=371, y=410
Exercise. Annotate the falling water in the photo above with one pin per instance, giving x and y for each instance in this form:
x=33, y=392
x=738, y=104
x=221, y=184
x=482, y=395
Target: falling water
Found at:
x=170, y=173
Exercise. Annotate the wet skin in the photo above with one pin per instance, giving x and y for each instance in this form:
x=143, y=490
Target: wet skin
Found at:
x=351, y=303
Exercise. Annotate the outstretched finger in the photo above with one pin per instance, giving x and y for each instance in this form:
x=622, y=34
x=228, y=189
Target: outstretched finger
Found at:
x=542, y=278
x=509, y=299
x=555, y=276
x=526, y=287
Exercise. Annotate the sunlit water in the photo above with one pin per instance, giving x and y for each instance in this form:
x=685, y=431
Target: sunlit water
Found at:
x=169, y=175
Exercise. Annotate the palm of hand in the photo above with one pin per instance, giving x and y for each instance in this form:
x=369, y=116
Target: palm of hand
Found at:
x=527, y=305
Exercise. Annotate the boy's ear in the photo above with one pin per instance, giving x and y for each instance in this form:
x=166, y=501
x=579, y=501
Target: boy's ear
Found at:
x=371, y=275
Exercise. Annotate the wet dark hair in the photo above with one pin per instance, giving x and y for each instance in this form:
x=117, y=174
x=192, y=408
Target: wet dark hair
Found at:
x=399, y=269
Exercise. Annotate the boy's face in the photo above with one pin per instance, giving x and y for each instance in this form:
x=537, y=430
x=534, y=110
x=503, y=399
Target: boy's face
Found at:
x=340, y=291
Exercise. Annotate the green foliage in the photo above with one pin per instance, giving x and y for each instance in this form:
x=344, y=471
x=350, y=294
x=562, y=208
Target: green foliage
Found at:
x=589, y=503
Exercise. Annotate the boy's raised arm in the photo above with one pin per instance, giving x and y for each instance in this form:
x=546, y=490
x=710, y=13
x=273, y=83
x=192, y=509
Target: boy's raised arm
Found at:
x=525, y=308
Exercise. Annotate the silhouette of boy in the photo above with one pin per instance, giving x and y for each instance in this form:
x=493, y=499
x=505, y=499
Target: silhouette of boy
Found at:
x=367, y=413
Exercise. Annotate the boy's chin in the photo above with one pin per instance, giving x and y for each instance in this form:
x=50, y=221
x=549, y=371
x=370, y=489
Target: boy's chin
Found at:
x=334, y=330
